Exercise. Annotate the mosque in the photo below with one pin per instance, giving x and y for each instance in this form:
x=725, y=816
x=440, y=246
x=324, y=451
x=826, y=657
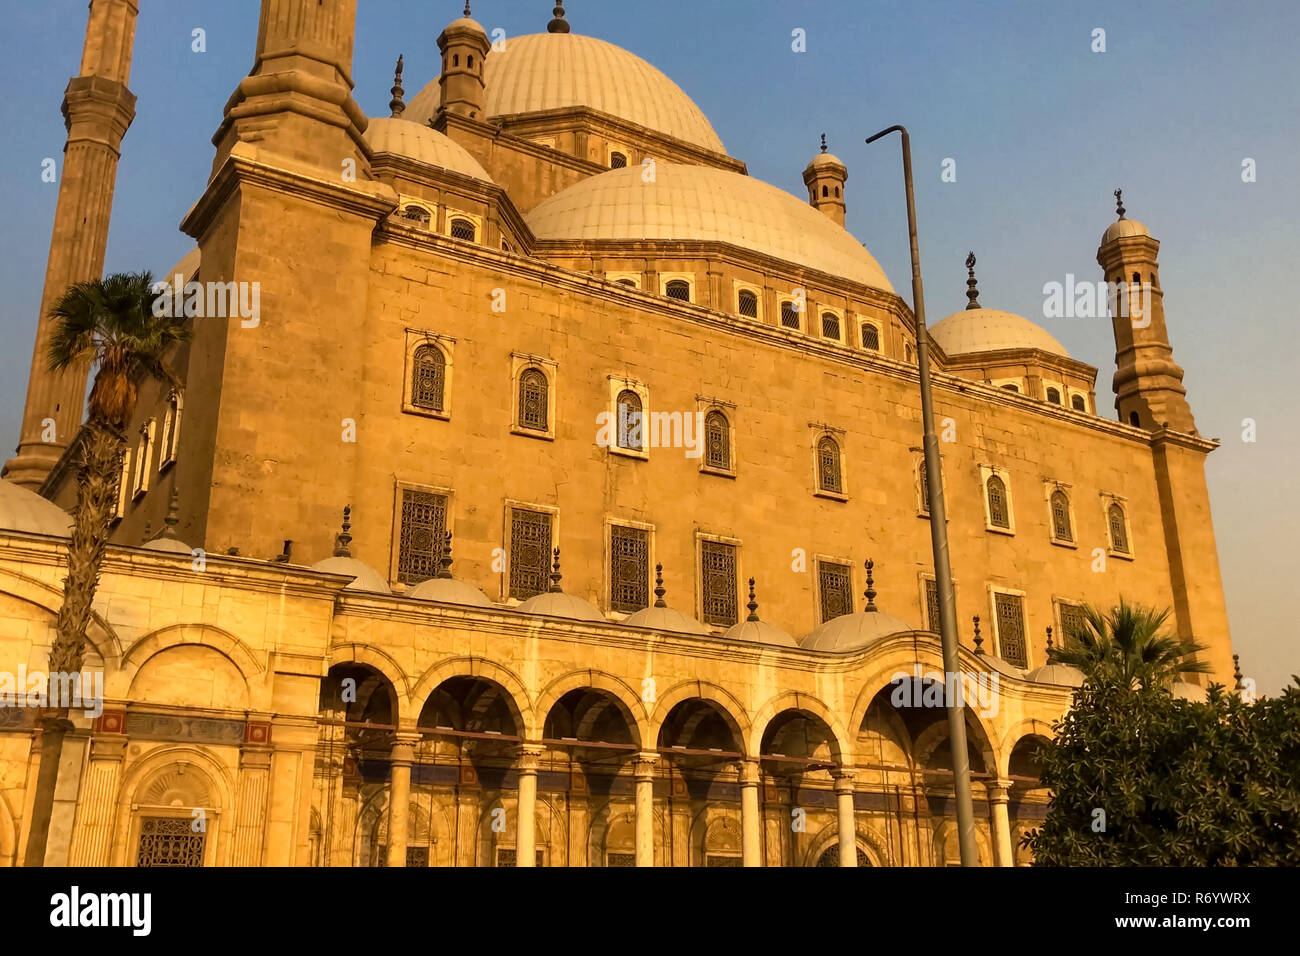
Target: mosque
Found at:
x=377, y=593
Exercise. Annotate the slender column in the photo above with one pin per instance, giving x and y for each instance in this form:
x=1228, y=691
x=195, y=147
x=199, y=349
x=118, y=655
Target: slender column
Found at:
x=530, y=756
x=1003, y=853
x=848, y=831
x=94, y=833
x=401, y=757
x=751, y=848
x=643, y=768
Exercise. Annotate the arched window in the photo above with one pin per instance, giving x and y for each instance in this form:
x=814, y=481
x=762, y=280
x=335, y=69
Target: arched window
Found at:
x=417, y=214
x=630, y=283
x=831, y=857
x=1118, y=528
x=469, y=61
x=825, y=191
x=455, y=60
x=679, y=289
x=1078, y=404
x=428, y=376
x=533, y=401
x=837, y=192
x=1011, y=388
x=830, y=325
x=923, y=477
x=747, y=303
x=463, y=229
x=1134, y=419
x=1061, y=529
x=999, y=514
x=789, y=315
x=617, y=161
x=829, y=476
x=629, y=420
x=1054, y=396
x=717, y=441
x=870, y=337
x=908, y=353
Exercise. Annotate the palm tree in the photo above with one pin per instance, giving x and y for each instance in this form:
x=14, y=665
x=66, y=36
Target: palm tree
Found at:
x=109, y=325
x=1128, y=643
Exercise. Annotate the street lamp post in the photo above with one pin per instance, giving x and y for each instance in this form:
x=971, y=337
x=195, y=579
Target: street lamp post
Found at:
x=939, y=538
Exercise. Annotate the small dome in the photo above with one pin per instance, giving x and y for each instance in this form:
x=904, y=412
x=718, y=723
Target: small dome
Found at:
x=989, y=330
x=849, y=632
x=364, y=577
x=760, y=632
x=168, y=546
x=559, y=604
x=461, y=24
x=665, y=619
x=822, y=160
x=26, y=511
x=401, y=137
x=1063, y=675
x=449, y=591
x=1182, y=690
x=1122, y=229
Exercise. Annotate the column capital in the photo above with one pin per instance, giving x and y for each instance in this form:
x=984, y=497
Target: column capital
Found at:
x=108, y=747
x=844, y=780
x=403, y=748
x=644, y=763
x=750, y=772
x=997, y=791
x=528, y=758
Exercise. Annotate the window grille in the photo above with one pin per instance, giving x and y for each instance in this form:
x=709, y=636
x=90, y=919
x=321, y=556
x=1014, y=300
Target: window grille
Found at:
x=423, y=535
x=617, y=161
x=417, y=857
x=1118, y=530
x=533, y=401
x=679, y=289
x=922, y=475
x=835, y=584
x=1011, y=629
x=511, y=858
x=999, y=514
x=830, y=325
x=530, y=552
x=717, y=441
x=629, y=568
x=870, y=337
x=1072, y=621
x=417, y=214
x=428, y=378
x=715, y=859
x=718, y=577
x=829, y=477
x=1054, y=396
x=1061, y=529
x=463, y=229
x=630, y=420
x=747, y=303
x=620, y=859
x=790, y=315
x=932, y=604
x=170, y=842
x=1078, y=404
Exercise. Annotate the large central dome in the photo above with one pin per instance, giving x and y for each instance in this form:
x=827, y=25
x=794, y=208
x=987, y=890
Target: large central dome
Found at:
x=546, y=71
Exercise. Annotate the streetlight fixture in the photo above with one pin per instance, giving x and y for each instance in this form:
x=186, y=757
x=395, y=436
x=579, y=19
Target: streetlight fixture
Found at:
x=939, y=538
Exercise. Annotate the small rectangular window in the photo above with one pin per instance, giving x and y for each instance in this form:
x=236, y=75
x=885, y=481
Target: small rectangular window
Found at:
x=511, y=858
x=169, y=842
x=1072, y=621
x=835, y=587
x=530, y=552
x=932, y=604
x=423, y=535
x=629, y=568
x=718, y=582
x=1011, y=629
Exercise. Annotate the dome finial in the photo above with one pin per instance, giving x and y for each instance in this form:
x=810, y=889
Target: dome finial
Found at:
x=659, y=586
x=344, y=538
x=397, y=104
x=555, y=573
x=559, y=24
x=753, y=603
x=444, y=562
x=871, y=587
x=1049, y=639
x=979, y=641
x=823, y=142
x=972, y=287
x=1236, y=672
x=1119, y=202
x=467, y=13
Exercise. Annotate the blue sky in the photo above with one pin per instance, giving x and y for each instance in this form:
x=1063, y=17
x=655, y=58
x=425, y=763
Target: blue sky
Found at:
x=1041, y=127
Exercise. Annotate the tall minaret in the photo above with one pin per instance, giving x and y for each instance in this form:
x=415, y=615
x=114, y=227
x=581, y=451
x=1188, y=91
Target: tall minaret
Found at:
x=464, y=46
x=1148, y=382
x=97, y=109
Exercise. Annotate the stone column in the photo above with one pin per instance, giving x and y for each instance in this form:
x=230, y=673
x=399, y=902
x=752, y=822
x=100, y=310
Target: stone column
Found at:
x=530, y=757
x=93, y=840
x=401, y=757
x=250, y=804
x=643, y=769
x=1003, y=852
x=751, y=847
x=848, y=831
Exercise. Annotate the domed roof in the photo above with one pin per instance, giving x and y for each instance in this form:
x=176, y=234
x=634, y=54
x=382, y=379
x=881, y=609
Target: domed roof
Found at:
x=709, y=205
x=1122, y=229
x=987, y=330
x=665, y=619
x=1063, y=675
x=423, y=144
x=449, y=591
x=167, y=540
x=760, y=632
x=848, y=632
x=464, y=23
x=826, y=159
x=364, y=577
x=26, y=511
x=559, y=604
x=547, y=71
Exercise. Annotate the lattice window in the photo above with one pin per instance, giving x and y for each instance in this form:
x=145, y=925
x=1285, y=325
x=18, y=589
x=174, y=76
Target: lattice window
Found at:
x=423, y=535
x=790, y=315
x=1118, y=529
x=630, y=418
x=1073, y=621
x=922, y=475
x=870, y=337
x=463, y=229
x=1011, y=629
x=417, y=214
x=829, y=474
x=932, y=604
x=831, y=857
x=533, y=401
x=511, y=858
x=1061, y=529
x=617, y=161
x=629, y=568
x=1054, y=396
x=171, y=435
x=747, y=303
x=620, y=859
x=835, y=588
x=171, y=842
x=718, y=577
x=530, y=552
x=830, y=325
x=1078, y=404
x=717, y=859
x=428, y=377
x=999, y=513
x=678, y=289
x=417, y=857
x=717, y=441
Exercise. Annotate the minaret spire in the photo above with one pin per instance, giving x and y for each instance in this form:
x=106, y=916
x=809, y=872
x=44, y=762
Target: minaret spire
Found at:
x=397, y=104
x=870, y=592
x=558, y=24
x=972, y=287
x=753, y=603
x=343, y=539
x=1119, y=203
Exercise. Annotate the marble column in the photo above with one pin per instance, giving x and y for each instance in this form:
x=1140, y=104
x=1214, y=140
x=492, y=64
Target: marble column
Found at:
x=530, y=758
x=643, y=769
x=751, y=847
x=848, y=833
x=250, y=804
x=93, y=839
x=401, y=757
x=1003, y=852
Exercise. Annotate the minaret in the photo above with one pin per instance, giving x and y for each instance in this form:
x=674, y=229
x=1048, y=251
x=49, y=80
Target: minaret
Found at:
x=1148, y=382
x=825, y=177
x=464, y=45
x=97, y=109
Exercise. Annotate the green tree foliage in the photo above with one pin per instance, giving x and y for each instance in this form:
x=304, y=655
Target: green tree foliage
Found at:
x=1128, y=643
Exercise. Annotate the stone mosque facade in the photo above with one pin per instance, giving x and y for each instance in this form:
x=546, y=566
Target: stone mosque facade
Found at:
x=396, y=578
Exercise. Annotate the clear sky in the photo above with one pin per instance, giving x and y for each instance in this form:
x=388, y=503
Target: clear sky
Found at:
x=1041, y=127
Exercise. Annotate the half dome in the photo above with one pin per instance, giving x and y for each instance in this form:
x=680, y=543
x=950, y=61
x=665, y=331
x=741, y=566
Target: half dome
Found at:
x=990, y=330
x=852, y=631
x=401, y=137
x=547, y=71
x=26, y=511
x=709, y=205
